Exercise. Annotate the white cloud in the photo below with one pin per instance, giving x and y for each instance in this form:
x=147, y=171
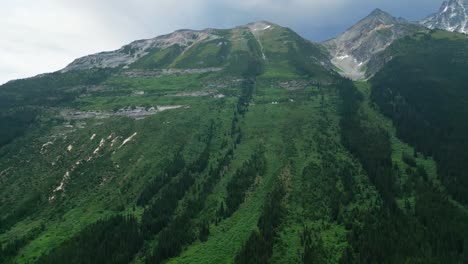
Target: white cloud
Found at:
x=45, y=35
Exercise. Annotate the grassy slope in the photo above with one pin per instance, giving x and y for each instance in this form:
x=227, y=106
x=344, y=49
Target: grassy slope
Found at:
x=85, y=197
x=299, y=130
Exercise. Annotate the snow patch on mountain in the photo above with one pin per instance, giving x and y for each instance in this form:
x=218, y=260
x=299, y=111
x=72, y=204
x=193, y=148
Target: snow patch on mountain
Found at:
x=101, y=144
x=257, y=30
x=44, y=146
x=260, y=26
x=351, y=51
x=128, y=139
x=452, y=16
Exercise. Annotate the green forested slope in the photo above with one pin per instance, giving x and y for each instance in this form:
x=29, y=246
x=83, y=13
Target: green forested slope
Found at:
x=248, y=151
x=424, y=90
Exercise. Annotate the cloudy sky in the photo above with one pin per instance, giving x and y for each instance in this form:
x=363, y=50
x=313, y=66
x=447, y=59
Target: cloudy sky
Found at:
x=40, y=36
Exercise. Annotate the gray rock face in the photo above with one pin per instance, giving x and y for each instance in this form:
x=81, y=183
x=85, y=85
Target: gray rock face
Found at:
x=452, y=16
x=352, y=50
x=132, y=52
x=164, y=72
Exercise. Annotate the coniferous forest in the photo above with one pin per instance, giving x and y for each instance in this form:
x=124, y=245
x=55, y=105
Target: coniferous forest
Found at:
x=240, y=145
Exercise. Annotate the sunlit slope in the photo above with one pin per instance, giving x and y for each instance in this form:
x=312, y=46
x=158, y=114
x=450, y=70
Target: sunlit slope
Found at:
x=215, y=146
x=125, y=141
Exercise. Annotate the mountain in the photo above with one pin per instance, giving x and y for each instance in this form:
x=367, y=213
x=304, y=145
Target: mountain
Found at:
x=181, y=49
x=430, y=87
x=138, y=49
x=167, y=143
x=452, y=16
x=352, y=50
x=241, y=145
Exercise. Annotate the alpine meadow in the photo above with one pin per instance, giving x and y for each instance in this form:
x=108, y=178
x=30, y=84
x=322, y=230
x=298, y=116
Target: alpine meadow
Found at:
x=245, y=145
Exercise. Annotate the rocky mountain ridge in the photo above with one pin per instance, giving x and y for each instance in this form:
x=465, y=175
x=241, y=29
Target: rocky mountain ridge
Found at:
x=349, y=52
x=130, y=53
x=352, y=50
x=452, y=16
x=242, y=145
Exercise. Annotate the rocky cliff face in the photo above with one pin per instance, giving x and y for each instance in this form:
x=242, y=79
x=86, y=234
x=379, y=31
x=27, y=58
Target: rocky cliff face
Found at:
x=452, y=16
x=211, y=48
x=351, y=51
x=132, y=52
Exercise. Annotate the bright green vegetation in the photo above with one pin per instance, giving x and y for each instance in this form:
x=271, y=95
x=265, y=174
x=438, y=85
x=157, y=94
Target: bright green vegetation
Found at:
x=407, y=227
x=428, y=101
x=266, y=157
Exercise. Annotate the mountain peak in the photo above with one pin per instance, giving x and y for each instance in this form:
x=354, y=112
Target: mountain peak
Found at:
x=381, y=16
x=261, y=22
x=379, y=12
x=352, y=50
x=260, y=26
x=457, y=1
x=452, y=16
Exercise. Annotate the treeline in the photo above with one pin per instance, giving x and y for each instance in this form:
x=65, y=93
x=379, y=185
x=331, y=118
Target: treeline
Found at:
x=248, y=86
x=11, y=249
x=164, y=176
x=160, y=212
x=24, y=209
x=50, y=89
x=113, y=240
x=314, y=251
x=259, y=246
x=424, y=93
x=21, y=101
x=118, y=239
x=15, y=122
x=182, y=230
x=173, y=230
x=445, y=226
x=242, y=180
x=436, y=230
x=367, y=141
x=248, y=63
x=321, y=199
x=379, y=237
x=300, y=49
x=176, y=231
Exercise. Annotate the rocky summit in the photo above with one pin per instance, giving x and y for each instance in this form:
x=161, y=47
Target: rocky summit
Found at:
x=452, y=16
x=351, y=51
